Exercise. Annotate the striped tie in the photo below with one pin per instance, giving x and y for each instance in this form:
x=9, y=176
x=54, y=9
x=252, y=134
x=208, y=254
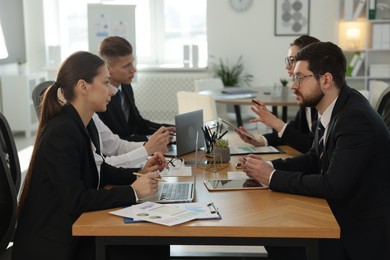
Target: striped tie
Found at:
x=321, y=131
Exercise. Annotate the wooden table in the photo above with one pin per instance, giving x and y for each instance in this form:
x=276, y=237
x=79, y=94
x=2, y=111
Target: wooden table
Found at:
x=264, y=94
x=256, y=217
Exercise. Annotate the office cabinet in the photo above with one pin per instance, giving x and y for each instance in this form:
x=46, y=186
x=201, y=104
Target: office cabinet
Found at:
x=17, y=104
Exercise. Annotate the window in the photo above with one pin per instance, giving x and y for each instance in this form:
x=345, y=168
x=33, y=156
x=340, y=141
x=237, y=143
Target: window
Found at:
x=163, y=27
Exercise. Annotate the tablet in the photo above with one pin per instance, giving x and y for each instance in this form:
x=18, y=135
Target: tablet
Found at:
x=220, y=184
x=238, y=129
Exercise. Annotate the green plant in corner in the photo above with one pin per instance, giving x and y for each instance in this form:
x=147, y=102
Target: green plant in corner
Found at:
x=231, y=76
x=284, y=82
x=222, y=143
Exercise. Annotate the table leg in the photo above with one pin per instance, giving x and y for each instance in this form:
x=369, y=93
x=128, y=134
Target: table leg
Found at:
x=312, y=250
x=100, y=249
x=284, y=114
x=237, y=110
x=275, y=110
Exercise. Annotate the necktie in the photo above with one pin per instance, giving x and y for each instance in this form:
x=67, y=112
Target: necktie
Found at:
x=118, y=98
x=321, y=131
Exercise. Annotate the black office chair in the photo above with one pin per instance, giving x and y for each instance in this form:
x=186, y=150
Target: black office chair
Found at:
x=37, y=94
x=8, y=205
x=10, y=152
x=384, y=106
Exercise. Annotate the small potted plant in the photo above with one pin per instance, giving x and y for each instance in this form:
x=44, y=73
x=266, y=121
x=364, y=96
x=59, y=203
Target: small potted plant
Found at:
x=284, y=82
x=221, y=150
x=231, y=75
x=22, y=67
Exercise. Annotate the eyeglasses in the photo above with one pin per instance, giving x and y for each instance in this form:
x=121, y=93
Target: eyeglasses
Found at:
x=297, y=79
x=175, y=163
x=290, y=60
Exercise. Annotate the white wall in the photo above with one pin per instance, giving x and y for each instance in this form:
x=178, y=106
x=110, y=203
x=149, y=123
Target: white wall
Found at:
x=230, y=35
x=251, y=34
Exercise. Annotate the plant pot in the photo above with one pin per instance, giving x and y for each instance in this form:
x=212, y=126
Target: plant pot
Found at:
x=220, y=154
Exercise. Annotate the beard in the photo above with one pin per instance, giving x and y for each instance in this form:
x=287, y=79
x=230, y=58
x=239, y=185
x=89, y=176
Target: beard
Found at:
x=310, y=100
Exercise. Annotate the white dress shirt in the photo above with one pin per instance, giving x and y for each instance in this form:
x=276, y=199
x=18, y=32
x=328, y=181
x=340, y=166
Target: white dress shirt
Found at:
x=118, y=152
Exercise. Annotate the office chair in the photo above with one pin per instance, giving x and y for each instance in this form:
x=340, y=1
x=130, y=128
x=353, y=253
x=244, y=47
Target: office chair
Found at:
x=190, y=101
x=376, y=89
x=223, y=111
x=384, y=106
x=37, y=94
x=8, y=203
x=10, y=152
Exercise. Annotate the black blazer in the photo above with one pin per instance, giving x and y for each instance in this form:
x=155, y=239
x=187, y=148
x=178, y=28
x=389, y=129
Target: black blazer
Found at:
x=353, y=175
x=136, y=128
x=297, y=133
x=64, y=184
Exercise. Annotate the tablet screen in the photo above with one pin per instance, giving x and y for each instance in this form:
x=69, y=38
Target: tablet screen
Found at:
x=219, y=184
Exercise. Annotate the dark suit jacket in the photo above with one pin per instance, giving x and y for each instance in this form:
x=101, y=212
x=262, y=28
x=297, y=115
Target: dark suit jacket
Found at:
x=65, y=183
x=353, y=175
x=136, y=128
x=297, y=133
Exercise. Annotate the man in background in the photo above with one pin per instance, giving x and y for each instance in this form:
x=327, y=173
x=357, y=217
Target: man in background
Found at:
x=122, y=115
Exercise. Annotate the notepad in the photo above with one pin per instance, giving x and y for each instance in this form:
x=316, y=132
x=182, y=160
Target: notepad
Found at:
x=237, y=150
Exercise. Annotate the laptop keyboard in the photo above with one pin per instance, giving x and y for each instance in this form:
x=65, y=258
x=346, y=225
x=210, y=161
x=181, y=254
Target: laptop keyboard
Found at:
x=175, y=191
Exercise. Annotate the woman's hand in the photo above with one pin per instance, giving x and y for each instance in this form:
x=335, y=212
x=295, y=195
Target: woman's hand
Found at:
x=156, y=163
x=266, y=117
x=146, y=184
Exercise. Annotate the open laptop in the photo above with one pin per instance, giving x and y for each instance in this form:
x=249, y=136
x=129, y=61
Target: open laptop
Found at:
x=187, y=125
x=177, y=192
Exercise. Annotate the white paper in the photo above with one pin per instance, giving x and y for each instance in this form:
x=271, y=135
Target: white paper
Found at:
x=179, y=172
x=163, y=214
x=252, y=149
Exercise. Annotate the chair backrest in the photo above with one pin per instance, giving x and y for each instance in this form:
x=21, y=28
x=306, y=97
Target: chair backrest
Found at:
x=190, y=101
x=37, y=94
x=8, y=204
x=208, y=84
x=384, y=106
x=10, y=152
x=376, y=89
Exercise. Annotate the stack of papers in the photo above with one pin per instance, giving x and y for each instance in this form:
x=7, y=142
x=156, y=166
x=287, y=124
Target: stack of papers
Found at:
x=168, y=214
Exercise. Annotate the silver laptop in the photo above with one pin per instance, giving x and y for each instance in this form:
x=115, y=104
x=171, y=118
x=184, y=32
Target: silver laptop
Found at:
x=176, y=192
x=187, y=125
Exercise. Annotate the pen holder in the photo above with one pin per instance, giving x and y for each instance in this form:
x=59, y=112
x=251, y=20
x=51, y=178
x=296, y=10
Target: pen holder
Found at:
x=218, y=153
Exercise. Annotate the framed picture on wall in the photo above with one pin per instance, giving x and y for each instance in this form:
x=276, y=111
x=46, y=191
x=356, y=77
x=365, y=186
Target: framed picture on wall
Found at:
x=292, y=17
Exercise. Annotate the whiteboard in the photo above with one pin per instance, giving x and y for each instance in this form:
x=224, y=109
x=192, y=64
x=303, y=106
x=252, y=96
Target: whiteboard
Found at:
x=110, y=20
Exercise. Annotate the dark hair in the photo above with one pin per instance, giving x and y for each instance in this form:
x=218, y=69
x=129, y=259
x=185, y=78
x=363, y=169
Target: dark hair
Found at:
x=324, y=57
x=113, y=47
x=79, y=65
x=303, y=41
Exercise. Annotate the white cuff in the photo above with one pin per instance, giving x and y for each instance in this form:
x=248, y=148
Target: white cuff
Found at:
x=280, y=134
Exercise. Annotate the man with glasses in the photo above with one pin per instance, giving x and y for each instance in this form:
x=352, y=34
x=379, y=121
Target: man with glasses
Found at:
x=297, y=133
x=348, y=165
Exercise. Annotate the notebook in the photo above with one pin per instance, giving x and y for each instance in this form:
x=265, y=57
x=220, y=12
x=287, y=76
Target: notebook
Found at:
x=176, y=192
x=187, y=125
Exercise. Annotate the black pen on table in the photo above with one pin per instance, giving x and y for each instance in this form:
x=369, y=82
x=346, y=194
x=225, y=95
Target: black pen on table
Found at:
x=155, y=129
x=140, y=174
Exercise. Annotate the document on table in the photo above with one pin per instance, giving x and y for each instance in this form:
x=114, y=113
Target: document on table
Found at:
x=234, y=150
x=176, y=172
x=168, y=214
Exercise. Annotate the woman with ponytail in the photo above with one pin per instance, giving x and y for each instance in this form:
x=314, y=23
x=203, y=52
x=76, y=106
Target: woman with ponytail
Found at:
x=63, y=181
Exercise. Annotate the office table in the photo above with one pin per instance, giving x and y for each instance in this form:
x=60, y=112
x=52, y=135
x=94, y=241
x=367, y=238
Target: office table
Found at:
x=255, y=217
x=263, y=93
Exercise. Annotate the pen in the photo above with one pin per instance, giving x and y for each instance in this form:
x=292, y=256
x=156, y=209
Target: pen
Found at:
x=140, y=174
x=257, y=103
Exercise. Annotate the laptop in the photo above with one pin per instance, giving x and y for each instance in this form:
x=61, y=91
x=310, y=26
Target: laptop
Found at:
x=176, y=192
x=187, y=125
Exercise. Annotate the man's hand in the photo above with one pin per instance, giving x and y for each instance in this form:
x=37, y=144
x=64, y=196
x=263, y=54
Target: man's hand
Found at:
x=266, y=117
x=159, y=141
x=257, y=168
x=253, y=141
